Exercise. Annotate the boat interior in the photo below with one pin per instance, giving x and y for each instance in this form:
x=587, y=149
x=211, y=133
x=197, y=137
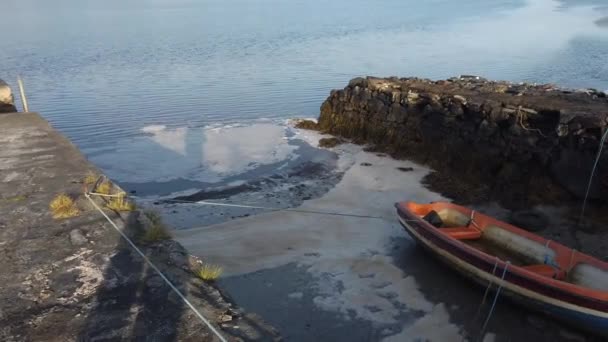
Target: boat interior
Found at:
x=530, y=252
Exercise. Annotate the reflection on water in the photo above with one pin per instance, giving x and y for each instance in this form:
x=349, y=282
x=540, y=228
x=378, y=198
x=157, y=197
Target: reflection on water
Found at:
x=100, y=71
x=198, y=154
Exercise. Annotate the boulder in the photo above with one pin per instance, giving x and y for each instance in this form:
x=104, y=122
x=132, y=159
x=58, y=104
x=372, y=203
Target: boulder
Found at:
x=7, y=101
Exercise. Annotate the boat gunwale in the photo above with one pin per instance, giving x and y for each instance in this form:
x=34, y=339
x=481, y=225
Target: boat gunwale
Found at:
x=562, y=285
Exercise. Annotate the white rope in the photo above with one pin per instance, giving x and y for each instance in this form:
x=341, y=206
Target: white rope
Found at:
x=108, y=195
x=485, y=295
x=157, y=270
x=305, y=211
x=485, y=324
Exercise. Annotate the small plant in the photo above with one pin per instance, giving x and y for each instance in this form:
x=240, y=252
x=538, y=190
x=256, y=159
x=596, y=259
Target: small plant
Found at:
x=63, y=206
x=209, y=272
x=104, y=188
x=157, y=232
x=90, y=178
x=120, y=203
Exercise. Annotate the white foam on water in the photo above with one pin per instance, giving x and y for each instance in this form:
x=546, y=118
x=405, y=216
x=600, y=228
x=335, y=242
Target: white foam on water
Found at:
x=153, y=128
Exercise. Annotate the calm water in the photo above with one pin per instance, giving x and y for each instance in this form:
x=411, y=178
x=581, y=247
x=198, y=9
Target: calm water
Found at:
x=108, y=73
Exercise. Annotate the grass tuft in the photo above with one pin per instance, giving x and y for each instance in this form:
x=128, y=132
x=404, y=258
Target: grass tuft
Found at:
x=209, y=272
x=90, y=178
x=63, y=206
x=104, y=188
x=157, y=232
x=120, y=203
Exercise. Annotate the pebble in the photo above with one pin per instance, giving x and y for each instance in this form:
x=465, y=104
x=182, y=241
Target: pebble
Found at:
x=225, y=318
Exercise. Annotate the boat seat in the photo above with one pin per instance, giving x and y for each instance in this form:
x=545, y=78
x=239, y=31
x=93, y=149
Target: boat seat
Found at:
x=545, y=270
x=462, y=233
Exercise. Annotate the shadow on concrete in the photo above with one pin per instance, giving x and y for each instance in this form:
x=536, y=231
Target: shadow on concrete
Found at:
x=133, y=302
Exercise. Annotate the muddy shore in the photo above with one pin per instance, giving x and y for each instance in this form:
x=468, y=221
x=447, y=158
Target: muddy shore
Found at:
x=319, y=277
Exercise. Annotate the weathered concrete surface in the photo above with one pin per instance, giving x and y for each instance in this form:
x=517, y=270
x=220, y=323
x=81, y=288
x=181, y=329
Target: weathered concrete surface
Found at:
x=7, y=100
x=76, y=279
x=518, y=143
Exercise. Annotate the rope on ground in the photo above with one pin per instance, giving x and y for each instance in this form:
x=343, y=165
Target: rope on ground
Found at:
x=485, y=324
x=305, y=211
x=160, y=273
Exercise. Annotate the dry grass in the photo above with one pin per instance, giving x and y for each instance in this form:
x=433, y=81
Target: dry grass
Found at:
x=63, y=206
x=104, y=188
x=156, y=233
x=209, y=272
x=120, y=203
x=90, y=178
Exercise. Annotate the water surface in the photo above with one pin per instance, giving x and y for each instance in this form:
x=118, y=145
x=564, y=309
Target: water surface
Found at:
x=104, y=72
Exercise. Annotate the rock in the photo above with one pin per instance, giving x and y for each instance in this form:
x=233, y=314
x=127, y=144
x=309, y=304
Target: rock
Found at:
x=469, y=127
x=7, y=101
x=461, y=99
x=405, y=169
x=359, y=81
x=77, y=238
x=330, y=142
x=307, y=124
x=225, y=318
x=366, y=164
x=531, y=220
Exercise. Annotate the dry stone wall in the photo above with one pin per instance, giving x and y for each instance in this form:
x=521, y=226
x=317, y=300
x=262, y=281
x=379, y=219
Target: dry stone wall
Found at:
x=525, y=143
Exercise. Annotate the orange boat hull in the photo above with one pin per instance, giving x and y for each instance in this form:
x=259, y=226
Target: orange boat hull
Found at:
x=544, y=275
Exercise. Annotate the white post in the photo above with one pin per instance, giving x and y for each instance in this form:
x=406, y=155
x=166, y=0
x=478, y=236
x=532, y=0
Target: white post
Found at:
x=22, y=92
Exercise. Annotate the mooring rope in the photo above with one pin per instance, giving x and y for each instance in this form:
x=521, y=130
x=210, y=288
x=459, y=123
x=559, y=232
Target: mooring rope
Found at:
x=485, y=324
x=158, y=271
x=246, y=206
x=485, y=295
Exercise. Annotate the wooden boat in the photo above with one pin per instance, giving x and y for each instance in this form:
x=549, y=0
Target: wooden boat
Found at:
x=539, y=273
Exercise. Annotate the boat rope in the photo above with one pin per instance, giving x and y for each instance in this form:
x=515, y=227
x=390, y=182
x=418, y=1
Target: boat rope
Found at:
x=571, y=259
x=158, y=271
x=485, y=324
x=246, y=206
x=472, y=221
x=485, y=295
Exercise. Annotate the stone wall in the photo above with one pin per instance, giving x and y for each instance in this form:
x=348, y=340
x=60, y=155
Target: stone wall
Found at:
x=7, y=101
x=518, y=143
